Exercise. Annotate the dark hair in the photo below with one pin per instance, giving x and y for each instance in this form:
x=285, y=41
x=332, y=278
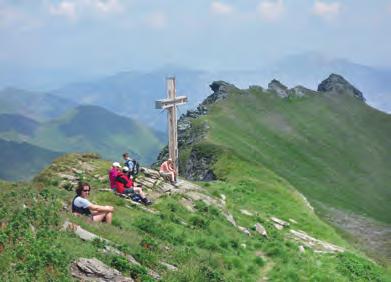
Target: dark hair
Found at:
x=125, y=155
x=80, y=188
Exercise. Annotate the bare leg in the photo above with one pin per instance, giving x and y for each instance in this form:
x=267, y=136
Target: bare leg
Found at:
x=109, y=217
x=101, y=216
x=172, y=176
x=139, y=191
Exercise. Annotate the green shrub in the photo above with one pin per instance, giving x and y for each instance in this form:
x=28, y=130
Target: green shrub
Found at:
x=211, y=274
x=149, y=243
x=68, y=186
x=99, y=243
x=199, y=222
x=355, y=268
x=201, y=206
x=120, y=263
x=259, y=261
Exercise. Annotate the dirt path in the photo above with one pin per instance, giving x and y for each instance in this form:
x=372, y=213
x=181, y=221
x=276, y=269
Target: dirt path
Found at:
x=269, y=264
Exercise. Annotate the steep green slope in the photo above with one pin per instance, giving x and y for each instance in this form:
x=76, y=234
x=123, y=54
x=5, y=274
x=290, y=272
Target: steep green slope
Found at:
x=334, y=149
x=22, y=160
x=330, y=146
x=201, y=243
x=92, y=128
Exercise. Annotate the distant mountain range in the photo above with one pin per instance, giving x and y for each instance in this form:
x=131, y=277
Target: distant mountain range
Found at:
x=133, y=93
x=82, y=128
x=92, y=128
x=35, y=105
x=121, y=107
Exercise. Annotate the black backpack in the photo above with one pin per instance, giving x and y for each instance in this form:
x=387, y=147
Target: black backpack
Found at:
x=136, y=167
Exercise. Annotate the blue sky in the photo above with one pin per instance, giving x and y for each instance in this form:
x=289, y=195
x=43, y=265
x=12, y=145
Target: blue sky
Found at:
x=89, y=37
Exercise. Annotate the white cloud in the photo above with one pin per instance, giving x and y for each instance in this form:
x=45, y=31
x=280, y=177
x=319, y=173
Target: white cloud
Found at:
x=108, y=6
x=74, y=9
x=64, y=8
x=156, y=20
x=271, y=10
x=221, y=8
x=328, y=11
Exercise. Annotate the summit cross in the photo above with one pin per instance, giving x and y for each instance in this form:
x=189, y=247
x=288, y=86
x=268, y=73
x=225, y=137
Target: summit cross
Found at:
x=170, y=104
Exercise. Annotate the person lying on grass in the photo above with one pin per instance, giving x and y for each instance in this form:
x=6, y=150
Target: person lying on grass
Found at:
x=125, y=185
x=81, y=206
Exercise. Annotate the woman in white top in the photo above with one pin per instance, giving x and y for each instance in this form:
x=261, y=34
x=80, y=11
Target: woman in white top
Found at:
x=81, y=206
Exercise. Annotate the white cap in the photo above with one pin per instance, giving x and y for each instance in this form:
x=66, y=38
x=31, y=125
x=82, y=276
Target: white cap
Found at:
x=116, y=164
x=125, y=168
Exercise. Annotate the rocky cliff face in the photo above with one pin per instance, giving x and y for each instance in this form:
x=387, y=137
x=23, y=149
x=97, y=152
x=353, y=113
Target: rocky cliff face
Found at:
x=338, y=85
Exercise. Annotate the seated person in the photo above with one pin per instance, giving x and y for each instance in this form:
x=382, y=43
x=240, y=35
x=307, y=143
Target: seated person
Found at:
x=81, y=206
x=113, y=172
x=167, y=170
x=125, y=185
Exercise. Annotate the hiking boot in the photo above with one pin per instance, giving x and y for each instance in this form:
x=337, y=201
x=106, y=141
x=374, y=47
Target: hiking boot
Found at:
x=146, y=202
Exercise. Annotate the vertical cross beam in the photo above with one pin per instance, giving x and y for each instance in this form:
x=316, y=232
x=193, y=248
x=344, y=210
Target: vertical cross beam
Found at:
x=172, y=123
x=170, y=104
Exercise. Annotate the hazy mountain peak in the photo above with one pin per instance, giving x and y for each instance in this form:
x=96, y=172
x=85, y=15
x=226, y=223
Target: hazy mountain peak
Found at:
x=278, y=87
x=335, y=83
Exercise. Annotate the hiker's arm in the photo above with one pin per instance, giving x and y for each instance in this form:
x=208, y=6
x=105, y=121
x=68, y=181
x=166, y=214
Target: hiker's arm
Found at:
x=122, y=180
x=99, y=208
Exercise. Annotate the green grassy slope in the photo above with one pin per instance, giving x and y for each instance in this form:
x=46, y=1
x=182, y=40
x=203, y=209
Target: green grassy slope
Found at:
x=203, y=245
x=334, y=149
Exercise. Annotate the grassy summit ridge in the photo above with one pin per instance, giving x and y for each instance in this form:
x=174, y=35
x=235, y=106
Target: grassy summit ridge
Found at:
x=202, y=244
x=332, y=148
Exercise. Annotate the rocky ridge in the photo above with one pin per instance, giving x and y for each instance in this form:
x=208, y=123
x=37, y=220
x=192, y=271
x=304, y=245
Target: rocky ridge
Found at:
x=336, y=84
x=192, y=129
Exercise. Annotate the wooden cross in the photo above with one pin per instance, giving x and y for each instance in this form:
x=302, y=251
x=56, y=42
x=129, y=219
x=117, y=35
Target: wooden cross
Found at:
x=170, y=104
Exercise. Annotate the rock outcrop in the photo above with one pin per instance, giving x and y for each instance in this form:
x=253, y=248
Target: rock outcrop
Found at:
x=278, y=87
x=300, y=91
x=317, y=245
x=198, y=167
x=94, y=270
x=220, y=91
x=336, y=84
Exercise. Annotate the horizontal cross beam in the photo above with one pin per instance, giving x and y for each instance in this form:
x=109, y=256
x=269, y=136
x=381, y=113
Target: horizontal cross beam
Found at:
x=168, y=103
